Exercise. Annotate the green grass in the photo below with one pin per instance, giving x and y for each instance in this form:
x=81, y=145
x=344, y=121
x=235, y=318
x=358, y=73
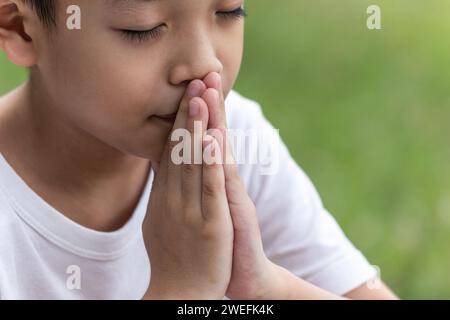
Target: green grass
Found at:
x=365, y=114
x=10, y=75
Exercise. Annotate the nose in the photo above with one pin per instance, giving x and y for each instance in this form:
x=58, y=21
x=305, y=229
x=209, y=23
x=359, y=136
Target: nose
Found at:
x=194, y=59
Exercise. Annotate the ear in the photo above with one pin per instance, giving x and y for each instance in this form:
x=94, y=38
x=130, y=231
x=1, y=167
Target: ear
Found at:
x=17, y=44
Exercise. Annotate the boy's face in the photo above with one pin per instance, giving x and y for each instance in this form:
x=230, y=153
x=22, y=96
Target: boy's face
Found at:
x=113, y=85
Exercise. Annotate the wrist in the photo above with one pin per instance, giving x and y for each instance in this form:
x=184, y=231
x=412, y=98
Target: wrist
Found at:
x=274, y=285
x=168, y=293
x=280, y=285
x=291, y=287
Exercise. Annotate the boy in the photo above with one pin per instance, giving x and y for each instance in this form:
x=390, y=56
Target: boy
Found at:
x=89, y=191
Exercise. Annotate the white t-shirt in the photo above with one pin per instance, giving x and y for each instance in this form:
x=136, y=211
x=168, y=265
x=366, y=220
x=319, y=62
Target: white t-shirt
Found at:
x=44, y=255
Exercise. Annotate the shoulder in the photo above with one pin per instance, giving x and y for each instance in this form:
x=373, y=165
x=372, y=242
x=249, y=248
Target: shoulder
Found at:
x=255, y=142
x=6, y=217
x=264, y=161
x=8, y=227
x=10, y=238
x=241, y=111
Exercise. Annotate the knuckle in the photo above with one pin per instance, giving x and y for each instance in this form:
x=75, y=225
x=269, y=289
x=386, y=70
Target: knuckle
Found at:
x=212, y=189
x=209, y=232
x=190, y=218
x=189, y=171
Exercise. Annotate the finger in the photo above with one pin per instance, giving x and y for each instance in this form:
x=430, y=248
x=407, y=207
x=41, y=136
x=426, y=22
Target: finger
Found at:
x=235, y=189
x=155, y=166
x=230, y=168
x=156, y=172
x=195, y=89
x=213, y=80
x=241, y=205
x=239, y=202
x=214, y=200
x=234, y=186
x=217, y=116
x=191, y=172
x=212, y=99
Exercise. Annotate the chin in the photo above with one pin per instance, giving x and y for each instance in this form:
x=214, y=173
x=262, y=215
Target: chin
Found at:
x=146, y=141
x=150, y=149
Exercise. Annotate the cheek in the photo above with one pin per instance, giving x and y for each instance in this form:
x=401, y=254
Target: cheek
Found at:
x=232, y=66
x=99, y=84
x=230, y=54
x=109, y=98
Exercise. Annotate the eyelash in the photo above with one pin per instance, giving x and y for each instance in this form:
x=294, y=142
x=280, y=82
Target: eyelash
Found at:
x=237, y=13
x=140, y=36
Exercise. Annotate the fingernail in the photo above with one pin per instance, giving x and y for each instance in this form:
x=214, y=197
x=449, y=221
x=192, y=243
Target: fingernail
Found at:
x=194, y=108
x=194, y=89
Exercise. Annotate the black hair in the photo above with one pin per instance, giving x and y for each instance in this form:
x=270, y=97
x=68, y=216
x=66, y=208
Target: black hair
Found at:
x=45, y=9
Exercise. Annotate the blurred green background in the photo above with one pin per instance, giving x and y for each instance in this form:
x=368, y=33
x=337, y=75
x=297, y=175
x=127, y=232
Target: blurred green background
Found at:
x=365, y=114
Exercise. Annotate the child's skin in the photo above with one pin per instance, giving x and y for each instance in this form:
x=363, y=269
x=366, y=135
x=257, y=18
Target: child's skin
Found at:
x=84, y=132
x=201, y=230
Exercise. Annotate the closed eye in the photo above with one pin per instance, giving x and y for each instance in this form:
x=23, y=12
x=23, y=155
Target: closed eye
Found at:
x=236, y=13
x=143, y=35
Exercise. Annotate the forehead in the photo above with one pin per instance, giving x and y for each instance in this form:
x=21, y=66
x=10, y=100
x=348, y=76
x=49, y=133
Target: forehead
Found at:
x=118, y=4
x=136, y=7
x=114, y=3
x=132, y=7
x=125, y=4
